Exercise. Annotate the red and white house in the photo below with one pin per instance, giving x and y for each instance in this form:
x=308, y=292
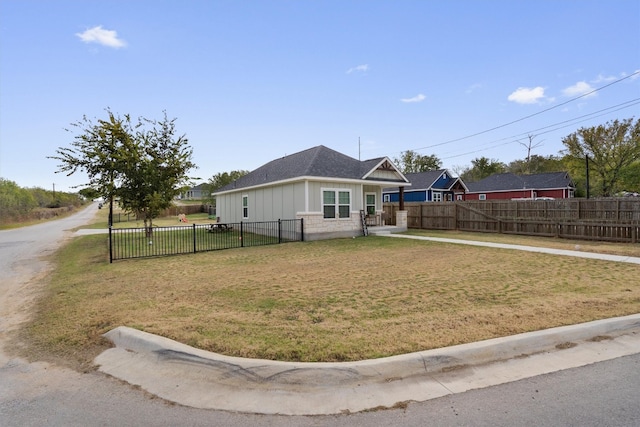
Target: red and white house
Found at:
x=553, y=185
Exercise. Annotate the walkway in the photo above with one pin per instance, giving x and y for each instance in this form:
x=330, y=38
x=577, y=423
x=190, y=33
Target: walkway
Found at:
x=563, y=252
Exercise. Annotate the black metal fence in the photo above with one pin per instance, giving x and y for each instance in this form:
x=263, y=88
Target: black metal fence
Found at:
x=127, y=243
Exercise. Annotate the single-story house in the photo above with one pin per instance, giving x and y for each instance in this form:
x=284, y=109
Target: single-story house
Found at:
x=553, y=185
x=327, y=189
x=429, y=186
x=195, y=193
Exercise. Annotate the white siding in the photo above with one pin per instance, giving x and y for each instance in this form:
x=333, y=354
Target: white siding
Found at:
x=315, y=194
x=265, y=204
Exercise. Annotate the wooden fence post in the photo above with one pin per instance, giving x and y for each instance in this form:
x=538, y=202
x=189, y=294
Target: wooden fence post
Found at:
x=455, y=216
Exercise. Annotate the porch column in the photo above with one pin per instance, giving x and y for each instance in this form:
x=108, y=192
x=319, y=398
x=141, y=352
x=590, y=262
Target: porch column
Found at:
x=401, y=196
x=401, y=220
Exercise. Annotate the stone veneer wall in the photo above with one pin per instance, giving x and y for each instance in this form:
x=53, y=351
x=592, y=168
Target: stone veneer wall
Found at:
x=401, y=220
x=317, y=228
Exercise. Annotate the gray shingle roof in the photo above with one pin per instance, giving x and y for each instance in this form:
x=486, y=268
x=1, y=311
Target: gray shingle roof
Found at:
x=510, y=181
x=419, y=180
x=423, y=180
x=318, y=161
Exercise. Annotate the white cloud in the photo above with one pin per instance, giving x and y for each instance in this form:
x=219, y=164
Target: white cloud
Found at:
x=360, y=68
x=418, y=98
x=526, y=95
x=101, y=36
x=604, y=79
x=578, y=89
x=474, y=87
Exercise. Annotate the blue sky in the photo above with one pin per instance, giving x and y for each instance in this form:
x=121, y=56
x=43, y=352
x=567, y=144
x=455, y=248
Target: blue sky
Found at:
x=252, y=81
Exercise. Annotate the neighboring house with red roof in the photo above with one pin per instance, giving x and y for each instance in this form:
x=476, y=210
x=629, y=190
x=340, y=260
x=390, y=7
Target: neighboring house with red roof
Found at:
x=429, y=186
x=553, y=185
x=327, y=189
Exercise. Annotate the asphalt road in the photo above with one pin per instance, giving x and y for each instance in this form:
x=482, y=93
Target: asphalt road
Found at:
x=38, y=394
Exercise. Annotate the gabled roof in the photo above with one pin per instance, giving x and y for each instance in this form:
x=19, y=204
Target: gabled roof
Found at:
x=200, y=186
x=427, y=179
x=510, y=181
x=320, y=162
x=424, y=180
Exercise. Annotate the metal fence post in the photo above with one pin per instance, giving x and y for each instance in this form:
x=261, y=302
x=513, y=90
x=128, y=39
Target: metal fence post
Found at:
x=279, y=230
x=194, y=239
x=241, y=235
x=302, y=229
x=110, y=247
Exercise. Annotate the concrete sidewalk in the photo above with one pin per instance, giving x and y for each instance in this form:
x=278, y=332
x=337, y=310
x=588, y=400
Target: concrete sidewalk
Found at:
x=563, y=252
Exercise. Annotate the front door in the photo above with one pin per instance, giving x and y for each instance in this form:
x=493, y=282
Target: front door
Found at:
x=370, y=203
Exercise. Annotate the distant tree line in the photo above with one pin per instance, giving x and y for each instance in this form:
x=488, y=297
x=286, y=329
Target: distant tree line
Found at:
x=18, y=204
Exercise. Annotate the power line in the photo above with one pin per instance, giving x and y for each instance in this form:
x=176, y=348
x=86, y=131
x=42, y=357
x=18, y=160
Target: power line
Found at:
x=573, y=121
x=530, y=115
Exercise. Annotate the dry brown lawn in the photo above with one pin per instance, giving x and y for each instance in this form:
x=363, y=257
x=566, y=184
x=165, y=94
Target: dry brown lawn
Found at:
x=335, y=300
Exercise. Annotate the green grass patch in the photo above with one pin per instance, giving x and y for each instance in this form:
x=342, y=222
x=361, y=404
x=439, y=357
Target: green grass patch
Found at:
x=335, y=300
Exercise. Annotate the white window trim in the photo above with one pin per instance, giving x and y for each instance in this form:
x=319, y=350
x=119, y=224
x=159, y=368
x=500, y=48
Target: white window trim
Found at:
x=337, y=204
x=433, y=196
x=482, y=196
x=245, y=197
x=386, y=198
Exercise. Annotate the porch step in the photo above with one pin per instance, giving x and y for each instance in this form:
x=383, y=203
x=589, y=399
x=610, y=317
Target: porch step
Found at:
x=388, y=229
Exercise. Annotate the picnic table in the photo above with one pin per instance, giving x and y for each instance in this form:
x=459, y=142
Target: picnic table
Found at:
x=217, y=227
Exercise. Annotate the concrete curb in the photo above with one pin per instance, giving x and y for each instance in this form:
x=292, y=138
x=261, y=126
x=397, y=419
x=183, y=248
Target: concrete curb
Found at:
x=202, y=379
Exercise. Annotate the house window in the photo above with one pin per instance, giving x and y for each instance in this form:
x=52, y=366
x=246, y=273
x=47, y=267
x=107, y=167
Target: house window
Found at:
x=370, y=204
x=336, y=204
x=458, y=196
x=436, y=196
x=482, y=197
x=386, y=198
x=245, y=207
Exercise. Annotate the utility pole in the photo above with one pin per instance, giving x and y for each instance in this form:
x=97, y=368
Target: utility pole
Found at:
x=587, y=164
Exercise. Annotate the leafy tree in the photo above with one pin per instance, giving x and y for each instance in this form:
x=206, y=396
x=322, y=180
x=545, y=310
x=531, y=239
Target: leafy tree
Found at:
x=481, y=168
x=141, y=163
x=156, y=169
x=411, y=162
x=89, y=193
x=221, y=179
x=14, y=201
x=630, y=178
x=536, y=164
x=98, y=151
x=612, y=148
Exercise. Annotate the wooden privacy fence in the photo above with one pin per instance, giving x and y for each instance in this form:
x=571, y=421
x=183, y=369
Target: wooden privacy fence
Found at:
x=611, y=220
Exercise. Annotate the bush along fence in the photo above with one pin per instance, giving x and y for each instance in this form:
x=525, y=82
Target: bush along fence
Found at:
x=128, y=243
x=607, y=220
